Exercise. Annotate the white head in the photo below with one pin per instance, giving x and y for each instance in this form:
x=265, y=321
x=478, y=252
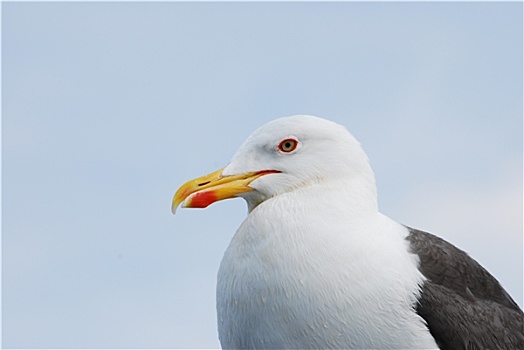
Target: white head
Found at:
x=281, y=156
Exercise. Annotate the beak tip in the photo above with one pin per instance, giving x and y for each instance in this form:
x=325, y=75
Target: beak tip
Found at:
x=179, y=203
x=174, y=206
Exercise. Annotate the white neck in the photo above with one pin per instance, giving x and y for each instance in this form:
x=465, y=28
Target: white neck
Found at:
x=330, y=266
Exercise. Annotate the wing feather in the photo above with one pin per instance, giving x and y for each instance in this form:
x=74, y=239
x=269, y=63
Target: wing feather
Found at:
x=464, y=306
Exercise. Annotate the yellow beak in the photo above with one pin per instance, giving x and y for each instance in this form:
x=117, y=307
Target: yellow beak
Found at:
x=205, y=190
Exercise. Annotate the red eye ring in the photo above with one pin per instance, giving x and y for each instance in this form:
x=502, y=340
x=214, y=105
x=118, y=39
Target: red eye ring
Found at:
x=288, y=145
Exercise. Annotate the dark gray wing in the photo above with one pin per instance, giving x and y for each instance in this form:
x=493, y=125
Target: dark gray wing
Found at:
x=464, y=306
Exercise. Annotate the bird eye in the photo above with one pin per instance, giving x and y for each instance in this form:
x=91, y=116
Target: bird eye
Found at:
x=288, y=145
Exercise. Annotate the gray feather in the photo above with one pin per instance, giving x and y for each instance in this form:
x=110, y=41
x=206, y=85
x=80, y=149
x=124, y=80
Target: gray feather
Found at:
x=464, y=306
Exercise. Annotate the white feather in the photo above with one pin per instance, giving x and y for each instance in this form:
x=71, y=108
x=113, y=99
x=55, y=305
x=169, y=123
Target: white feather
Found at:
x=314, y=264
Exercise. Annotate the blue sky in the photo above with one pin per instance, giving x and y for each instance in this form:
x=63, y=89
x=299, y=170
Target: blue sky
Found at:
x=109, y=107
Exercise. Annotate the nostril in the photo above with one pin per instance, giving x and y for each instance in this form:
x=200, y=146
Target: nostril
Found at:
x=204, y=183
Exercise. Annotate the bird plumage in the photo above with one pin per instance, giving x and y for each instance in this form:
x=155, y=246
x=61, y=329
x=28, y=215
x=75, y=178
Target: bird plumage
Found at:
x=464, y=305
x=330, y=282
x=316, y=265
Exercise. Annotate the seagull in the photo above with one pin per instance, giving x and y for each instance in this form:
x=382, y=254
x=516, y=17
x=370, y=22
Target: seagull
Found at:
x=315, y=265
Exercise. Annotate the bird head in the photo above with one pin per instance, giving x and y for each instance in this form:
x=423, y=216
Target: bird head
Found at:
x=281, y=156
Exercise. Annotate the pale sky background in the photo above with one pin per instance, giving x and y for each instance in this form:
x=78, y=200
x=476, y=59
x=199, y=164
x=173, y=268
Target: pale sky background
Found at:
x=109, y=107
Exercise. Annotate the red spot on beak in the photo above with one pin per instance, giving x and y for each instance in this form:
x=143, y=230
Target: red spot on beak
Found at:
x=203, y=199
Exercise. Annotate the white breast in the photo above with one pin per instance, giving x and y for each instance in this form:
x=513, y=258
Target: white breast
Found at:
x=288, y=280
